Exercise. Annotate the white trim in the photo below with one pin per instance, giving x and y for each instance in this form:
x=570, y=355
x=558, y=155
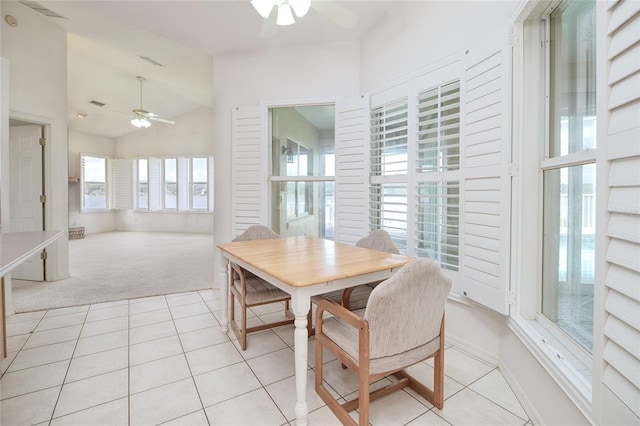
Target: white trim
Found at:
x=574, y=159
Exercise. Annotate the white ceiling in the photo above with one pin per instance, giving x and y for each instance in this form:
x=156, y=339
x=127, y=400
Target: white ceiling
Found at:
x=106, y=39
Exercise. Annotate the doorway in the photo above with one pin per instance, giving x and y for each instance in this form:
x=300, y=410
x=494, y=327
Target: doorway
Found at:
x=27, y=194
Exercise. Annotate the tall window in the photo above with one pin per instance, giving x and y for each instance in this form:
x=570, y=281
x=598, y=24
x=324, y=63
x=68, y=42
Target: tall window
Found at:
x=388, y=170
x=303, y=170
x=199, y=183
x=94, y=182
x=170, y=183
x=569, y=171
x=143, y=184
x=437, y=173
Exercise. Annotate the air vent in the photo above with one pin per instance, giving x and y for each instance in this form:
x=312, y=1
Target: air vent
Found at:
x=151, y=61
x=41, y=9
x=100, y=104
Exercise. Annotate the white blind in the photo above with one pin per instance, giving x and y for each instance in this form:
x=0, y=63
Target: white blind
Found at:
x=438, y=174
x=248, y=197
x=621, y=354
x=184, y=192
x=121, y=184
x=351, y=182
x=389, y=130
x=486, y=184
x=155, y=184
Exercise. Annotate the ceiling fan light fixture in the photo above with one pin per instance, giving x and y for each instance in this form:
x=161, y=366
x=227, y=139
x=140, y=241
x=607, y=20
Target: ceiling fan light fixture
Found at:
x=300, y=7
x=263, y=7
x=141, y=122
x=285, y=16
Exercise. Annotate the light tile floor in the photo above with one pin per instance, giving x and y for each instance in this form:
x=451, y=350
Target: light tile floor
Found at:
x=163, y=360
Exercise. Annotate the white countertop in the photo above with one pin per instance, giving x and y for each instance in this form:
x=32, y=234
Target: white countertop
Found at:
x=16, y=247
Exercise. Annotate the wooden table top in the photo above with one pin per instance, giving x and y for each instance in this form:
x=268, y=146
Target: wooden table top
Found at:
x=304, y=261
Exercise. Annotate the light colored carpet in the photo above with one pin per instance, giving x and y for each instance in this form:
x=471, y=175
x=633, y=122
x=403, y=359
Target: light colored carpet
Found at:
x=123, y=265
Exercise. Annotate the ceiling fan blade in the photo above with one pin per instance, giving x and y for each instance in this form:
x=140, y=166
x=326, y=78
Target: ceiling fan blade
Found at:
x=161, y=120
x=335, y=12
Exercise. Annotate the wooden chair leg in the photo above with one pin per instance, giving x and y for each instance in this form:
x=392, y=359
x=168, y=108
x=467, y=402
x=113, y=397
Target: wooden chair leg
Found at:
x=243, y=339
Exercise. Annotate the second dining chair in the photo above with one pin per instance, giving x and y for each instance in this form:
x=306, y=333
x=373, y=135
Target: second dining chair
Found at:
x=402, y=325
x=251, y=290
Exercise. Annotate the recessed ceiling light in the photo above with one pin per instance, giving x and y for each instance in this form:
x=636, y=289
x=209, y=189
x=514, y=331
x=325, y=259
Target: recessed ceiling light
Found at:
x=81, y=115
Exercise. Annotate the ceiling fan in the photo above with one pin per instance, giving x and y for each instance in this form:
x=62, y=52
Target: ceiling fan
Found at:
x=142, y=117
x=285, y=10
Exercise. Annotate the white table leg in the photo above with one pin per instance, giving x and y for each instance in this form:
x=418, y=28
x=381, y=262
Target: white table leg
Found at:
x=224, y=287
x=300, y=304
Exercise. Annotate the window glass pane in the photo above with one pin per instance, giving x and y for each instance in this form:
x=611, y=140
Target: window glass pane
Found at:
x=573, y=78
x=439, y=128
x=199, y=186
x=303, y=148
x=301, y=136
x=94, y=180
x=170, y=183
x=292, y=198
x=569, y=244
x=438, y=222
x=143, y=183
x=388, y=211
x=389, y=129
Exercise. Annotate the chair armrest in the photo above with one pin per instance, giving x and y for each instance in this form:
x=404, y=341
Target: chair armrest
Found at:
x=339, y=311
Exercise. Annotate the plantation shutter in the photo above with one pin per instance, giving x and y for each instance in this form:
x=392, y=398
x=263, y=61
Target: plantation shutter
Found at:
x=248, y=195
x=184, y=193
x=155, y=184
x=486, y=184
x=351, y=181
x=621, y=353
x=121, y=184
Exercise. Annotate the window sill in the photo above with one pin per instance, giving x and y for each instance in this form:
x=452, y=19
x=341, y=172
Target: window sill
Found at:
x=569, y=371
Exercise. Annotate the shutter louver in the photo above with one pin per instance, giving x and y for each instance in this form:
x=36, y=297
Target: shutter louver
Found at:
x=247, y=177
x=121, y=187
x=350, y=181
x=155, y=184
x=184, y=193
x=486, y=186
x=621, y=355
x=210, y=184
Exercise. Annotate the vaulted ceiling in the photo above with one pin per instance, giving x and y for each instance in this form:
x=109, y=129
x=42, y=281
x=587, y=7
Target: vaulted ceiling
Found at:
x=112, y=42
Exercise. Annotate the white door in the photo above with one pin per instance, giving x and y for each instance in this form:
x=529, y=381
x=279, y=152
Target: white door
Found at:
x=26, y=209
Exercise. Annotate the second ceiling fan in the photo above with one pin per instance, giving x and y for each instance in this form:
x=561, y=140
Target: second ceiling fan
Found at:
x=142, y=117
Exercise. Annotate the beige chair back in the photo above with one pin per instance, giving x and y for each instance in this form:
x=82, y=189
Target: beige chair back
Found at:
x=257, y=232
x=405, y=311
x=378, y=240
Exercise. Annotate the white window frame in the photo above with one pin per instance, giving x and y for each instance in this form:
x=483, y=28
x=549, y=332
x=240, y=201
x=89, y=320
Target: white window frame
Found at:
x=193, y=182
x=137, y=184
x=83, y=182
x=164, y=184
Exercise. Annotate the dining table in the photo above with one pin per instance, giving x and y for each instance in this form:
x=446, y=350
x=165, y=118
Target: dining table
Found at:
x=305, y=266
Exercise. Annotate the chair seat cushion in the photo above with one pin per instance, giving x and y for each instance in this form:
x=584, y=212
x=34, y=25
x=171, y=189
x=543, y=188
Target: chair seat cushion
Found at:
x=346, y=336
x=259, y=291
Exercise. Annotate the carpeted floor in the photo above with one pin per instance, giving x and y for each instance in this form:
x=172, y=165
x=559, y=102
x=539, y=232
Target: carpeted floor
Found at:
x=123, y=265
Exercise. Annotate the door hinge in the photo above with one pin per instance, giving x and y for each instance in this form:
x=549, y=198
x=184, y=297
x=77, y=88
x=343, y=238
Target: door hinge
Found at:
x=511, y=298
x=43, y=141
x=43, y=198
x=43, y=254
x=513, y=170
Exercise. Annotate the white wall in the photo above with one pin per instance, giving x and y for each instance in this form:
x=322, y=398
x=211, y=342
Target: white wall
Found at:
x=301, y=74
x=36, y=53
x=191, y=135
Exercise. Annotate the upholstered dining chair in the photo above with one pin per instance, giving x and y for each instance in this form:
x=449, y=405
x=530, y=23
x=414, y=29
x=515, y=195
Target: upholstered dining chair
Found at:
x=251, y=290
x=402, y=325
x=356, y=297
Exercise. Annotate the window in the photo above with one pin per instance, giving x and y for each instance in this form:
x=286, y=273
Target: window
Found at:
x=170, y=183
x=143, y=184
x=569, y=172
x=199, y=183
x=437, y=170
x=303, y=170
x=94, y=182
x=388, y=170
